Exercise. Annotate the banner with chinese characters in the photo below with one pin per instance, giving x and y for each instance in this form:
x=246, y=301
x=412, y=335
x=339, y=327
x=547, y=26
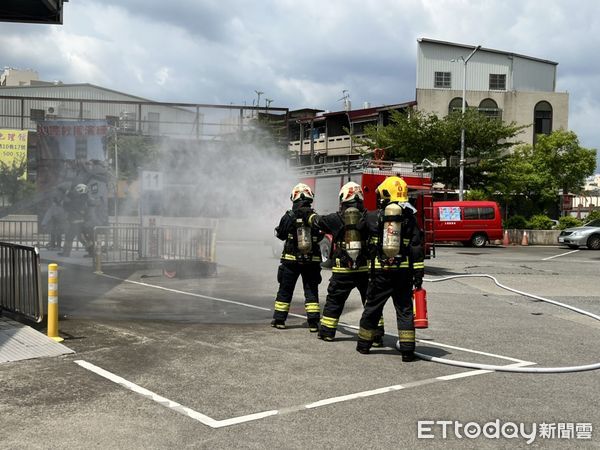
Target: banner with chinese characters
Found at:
x=13, y=149
x=72, y=140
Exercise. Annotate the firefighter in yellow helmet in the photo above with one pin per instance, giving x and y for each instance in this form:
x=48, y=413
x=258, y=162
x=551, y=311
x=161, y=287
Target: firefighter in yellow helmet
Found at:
x=301, y=257
x=350, y=258
x=397, y=263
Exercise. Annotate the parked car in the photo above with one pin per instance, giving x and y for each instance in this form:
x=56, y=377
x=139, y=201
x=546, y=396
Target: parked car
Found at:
x=588, y=235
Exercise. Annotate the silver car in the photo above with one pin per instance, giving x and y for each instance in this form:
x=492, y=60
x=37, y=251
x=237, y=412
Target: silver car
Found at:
x=588, y=235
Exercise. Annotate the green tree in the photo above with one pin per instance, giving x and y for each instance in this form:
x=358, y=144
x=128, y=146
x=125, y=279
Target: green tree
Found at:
x=565, y=162
x=134, y=152
x=13, y=186
x=416, y=135
x=532, y=176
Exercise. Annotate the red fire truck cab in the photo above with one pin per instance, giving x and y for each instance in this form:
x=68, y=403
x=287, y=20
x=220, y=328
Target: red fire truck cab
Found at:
x=327, y=179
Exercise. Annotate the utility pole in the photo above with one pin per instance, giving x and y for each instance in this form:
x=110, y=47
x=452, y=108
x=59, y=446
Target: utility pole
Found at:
x=258, y=93
x=461, y=177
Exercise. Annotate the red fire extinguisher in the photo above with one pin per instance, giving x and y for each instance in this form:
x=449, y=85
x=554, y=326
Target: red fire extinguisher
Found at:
x=420, y=308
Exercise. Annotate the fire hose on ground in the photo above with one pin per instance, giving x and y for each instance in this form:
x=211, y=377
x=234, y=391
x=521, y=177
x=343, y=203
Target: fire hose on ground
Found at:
x=509, y=368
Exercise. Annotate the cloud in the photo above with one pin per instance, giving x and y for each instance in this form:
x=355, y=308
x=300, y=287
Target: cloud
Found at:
x=300, y=54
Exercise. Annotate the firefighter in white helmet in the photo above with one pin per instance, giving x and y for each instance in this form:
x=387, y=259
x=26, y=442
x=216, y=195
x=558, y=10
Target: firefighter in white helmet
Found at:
x=397, y=263
x=76, y=204
x=350, y=267
x=301, y=257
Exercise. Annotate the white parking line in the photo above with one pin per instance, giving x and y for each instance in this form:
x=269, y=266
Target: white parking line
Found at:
x=213, y=423
x=202, y=418
x=325, y=402
x=558, y=256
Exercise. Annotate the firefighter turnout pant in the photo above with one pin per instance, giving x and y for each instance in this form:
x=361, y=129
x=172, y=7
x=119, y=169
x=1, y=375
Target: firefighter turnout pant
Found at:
x=287, y=276
x=340, y=286
x=75, y=230
x=383, y=285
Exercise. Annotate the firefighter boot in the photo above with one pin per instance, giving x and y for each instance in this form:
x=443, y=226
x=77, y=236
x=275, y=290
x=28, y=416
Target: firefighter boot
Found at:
x=378, y=337
x=313, y=325
x=278, y=323
x=326, y=333
x=363, y=346
x=408, y=356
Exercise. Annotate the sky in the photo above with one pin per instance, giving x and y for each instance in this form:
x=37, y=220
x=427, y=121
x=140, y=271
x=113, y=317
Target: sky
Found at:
x=301, y=54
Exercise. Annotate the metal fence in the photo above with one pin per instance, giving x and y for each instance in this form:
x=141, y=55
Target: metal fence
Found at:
x=125, y=244
x=26, y=232
x=21, y=281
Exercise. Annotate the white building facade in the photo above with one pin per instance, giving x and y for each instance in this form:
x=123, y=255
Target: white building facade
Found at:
x=507, y=85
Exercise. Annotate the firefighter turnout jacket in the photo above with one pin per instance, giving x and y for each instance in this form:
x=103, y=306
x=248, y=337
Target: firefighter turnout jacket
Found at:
x=392, y=276
x=301, y=257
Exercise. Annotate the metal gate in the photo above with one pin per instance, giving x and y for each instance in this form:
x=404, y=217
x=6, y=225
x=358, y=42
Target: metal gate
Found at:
x=21, y=281
x=163, y=246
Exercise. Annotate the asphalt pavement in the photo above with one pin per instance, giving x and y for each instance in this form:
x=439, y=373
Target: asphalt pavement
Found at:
x=193, y=363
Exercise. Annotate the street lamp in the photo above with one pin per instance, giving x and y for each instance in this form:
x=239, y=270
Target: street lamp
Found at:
x=116, y=128
x=461, y=177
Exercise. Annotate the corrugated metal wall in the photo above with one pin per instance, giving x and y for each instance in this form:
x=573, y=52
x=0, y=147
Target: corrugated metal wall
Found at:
x=148, y=118
x=521, y=73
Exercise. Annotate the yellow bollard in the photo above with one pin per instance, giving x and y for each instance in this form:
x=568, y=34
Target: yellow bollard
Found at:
x=53, y=303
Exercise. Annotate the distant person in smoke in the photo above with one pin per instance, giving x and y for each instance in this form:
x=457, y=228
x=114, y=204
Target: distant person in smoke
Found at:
x=301, y=257
x=54, y=223
x=76, y=204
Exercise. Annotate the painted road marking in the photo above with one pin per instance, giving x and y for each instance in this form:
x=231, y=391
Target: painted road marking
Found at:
x=236, y=420
x=213, y=423
x=558, y=256
x=471, y=373
x=191, y=294
x=202, y=418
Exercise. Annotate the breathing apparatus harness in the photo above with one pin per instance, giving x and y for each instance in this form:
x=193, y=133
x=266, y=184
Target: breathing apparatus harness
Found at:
x=390, y=249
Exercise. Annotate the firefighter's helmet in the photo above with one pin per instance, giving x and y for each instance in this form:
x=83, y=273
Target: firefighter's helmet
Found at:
x=393, y=189
x=301, y=192
x=351, y=191
x=81, y=188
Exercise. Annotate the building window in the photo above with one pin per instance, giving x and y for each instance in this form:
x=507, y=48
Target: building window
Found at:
x=490, y=108
x=456, y=105
x=484, y=213
x=442, y=80
x=497, y=82
x=37, y=114
x=542, y=119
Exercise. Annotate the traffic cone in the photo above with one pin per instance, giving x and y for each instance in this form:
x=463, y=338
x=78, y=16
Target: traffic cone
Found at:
x=506, y=240
x=525, y=240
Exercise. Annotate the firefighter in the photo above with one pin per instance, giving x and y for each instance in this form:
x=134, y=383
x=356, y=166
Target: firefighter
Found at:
x=54, y=222
x=76, y=207
x=397, y=264
x=301, y=257
x=350, y=267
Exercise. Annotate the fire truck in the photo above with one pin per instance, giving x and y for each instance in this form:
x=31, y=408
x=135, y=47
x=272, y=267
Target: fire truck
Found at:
x=327, y=179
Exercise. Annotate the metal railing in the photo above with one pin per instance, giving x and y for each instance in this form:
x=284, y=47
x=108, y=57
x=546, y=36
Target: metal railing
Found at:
x=21, y=281
x=27, y=232
x=133, y=243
